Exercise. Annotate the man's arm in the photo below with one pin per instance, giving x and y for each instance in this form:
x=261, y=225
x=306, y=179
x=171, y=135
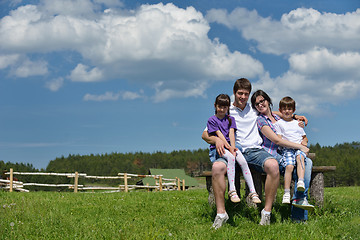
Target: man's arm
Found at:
x=296, y=117
x=220, y=146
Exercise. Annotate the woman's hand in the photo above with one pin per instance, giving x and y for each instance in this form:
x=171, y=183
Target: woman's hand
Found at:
x=305, y=149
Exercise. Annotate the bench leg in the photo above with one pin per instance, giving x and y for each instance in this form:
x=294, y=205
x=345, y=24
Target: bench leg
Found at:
x=317, y=188
x=211, y=198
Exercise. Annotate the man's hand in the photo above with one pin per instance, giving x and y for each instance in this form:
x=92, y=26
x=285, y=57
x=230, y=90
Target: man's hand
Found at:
x=220, y=146
x=305, y=150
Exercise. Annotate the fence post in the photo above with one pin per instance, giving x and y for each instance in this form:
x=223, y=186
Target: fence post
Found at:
x=148, y=186
x=76, y=182
x=125, y=182
x=160, y=183
x=178, y=184
x=11, y=179
x=183, y=188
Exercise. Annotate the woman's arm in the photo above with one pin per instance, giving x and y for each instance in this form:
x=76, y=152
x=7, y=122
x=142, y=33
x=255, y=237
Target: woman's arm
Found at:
x=269, y=133
x=233, y=148
x=304, y=141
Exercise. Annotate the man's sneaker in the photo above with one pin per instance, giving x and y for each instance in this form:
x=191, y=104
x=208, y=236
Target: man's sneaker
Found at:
x=219, y=221
x=286, y=198
x=300, y=186
x=265, y=218
x=303, y=204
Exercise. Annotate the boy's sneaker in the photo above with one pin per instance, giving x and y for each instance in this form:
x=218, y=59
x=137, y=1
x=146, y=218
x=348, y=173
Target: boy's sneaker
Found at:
x=265, y=218
x=300, y=186
x=303, y=204
x=219, y=221
x=286, y=198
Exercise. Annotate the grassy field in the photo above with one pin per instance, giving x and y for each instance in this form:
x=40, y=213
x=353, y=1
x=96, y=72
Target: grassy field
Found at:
x=167, y=215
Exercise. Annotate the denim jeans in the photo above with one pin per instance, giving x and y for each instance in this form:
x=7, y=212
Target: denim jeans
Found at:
x=298, y=213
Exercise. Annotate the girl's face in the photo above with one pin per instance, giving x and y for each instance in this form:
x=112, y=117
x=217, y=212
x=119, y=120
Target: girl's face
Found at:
x=261, y=105
x=221, y=111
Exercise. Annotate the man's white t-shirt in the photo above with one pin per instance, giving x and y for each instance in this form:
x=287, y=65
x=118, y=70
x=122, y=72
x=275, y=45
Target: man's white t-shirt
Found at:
x=247, y=133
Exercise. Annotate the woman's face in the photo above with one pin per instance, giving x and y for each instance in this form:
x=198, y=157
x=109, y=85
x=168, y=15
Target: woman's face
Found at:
x=261, y=105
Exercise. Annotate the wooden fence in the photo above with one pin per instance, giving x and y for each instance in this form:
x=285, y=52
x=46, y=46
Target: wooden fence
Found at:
x=160, y=182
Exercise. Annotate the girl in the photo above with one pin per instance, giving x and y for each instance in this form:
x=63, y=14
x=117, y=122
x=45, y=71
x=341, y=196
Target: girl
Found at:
x=223, y=126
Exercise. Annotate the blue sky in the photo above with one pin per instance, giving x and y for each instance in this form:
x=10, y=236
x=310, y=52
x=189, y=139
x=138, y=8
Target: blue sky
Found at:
x=102, y=76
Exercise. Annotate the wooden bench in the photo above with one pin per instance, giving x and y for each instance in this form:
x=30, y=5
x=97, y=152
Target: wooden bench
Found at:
x=316, y=190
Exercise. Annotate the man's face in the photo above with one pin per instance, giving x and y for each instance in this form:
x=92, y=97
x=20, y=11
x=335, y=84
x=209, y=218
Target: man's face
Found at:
x=241, y=98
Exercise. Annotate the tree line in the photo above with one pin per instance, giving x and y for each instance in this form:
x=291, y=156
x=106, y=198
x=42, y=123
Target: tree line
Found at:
x=346, y=157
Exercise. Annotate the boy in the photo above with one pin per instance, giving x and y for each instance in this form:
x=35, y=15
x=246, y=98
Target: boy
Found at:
x=289, y=129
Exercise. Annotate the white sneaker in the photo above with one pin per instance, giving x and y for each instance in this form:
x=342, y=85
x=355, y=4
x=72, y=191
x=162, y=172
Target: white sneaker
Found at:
x=300, y=186
x=265, y=218
x=219, y=221
x=286, y=198
x=303, y=204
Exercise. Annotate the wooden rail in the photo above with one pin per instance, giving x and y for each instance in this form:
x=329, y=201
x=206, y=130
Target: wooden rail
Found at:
x=160, y=185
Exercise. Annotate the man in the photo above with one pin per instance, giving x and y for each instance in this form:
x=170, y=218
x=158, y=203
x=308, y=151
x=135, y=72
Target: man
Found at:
x=249, y=141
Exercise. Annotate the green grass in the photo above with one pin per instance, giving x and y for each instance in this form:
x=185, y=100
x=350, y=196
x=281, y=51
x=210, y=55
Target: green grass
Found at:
x=167, y=215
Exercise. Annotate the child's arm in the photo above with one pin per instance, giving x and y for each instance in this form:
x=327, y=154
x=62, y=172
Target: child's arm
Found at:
x=221, y=136
x=232, y=141
x=305, y=141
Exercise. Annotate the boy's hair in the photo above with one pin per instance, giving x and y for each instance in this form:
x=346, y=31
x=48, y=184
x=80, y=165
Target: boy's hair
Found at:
x=242, y=83
x=287, y=102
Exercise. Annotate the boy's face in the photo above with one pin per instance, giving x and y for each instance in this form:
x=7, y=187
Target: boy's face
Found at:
x=287, y=112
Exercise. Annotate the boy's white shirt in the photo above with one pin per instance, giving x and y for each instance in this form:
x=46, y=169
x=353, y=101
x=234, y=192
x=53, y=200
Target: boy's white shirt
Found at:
x=290, y=130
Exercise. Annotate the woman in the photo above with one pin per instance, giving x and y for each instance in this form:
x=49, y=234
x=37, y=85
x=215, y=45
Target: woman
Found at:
x=261, y=102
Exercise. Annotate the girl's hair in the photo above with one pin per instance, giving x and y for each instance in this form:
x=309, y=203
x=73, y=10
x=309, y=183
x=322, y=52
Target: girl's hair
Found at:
x=223, y=100
x=264, y=95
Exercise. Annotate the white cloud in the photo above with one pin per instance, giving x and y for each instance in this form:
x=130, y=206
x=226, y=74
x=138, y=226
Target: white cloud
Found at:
x=127, y=95
x=297, y=31
x=55, y=84
x=149, y=45
x=81, y=74
x=321, y=61
x=31, y=68
x=315, y=78
x=111, y=96
x=322, y=50
x=8, y=60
